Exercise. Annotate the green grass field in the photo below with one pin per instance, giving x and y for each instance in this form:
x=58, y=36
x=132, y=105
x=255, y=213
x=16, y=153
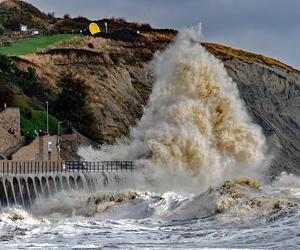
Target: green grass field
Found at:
x=33, y=45
x=38, y=119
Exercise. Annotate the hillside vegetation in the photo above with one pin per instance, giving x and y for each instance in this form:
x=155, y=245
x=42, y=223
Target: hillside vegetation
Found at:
x=10, y=15
x=33, y=45
x=230, y=53
x=15, y=85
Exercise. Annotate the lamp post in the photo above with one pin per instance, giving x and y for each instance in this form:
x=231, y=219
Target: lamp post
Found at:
x=58, y=127
x=105, y=27
x=58, y=146
x=47, y=104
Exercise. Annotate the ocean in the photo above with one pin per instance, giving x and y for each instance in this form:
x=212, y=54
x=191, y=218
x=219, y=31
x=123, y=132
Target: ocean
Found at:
x=231, y=216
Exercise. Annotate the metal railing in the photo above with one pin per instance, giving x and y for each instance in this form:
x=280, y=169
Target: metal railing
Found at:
x=47, y=167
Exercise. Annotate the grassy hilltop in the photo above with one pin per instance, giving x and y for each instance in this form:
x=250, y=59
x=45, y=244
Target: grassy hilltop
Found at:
x=33, y=45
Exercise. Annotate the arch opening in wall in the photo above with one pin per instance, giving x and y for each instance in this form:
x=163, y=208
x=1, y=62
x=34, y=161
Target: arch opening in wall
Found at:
x=88, y=182
x=79, y=183
x=45, y=187
x=58, y=184
x=38, y=186
x=31, y=188
x=16, y=187
x=24, y=191
x=72, y=183
x=51, y=185
x=65, y=183
x=9, y=190
x=3, y=197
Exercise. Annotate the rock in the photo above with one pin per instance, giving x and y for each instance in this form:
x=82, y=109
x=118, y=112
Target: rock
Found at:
x=70, y=143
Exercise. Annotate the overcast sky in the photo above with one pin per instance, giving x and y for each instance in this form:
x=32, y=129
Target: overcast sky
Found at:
x=269, y=27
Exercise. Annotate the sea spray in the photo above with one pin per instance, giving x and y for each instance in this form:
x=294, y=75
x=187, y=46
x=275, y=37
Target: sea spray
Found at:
x=195, y=121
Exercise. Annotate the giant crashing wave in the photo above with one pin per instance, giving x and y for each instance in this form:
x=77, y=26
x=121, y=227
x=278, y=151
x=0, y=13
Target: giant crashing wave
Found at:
x=194, y=136
x=195, y=123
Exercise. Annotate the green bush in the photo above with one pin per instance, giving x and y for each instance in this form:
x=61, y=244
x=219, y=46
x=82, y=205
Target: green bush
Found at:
x=71, y=104
x=22, y=79
x=6, y=95
x=2, y=30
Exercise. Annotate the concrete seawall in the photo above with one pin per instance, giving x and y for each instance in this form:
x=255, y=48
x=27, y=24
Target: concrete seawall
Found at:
x=23, y=182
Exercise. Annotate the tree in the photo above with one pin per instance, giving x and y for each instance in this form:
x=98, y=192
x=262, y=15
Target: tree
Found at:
x=71, y=104
x=6, y=96
x=67, y=16
x=51, y=14
x=2, y=30
x=14, y=24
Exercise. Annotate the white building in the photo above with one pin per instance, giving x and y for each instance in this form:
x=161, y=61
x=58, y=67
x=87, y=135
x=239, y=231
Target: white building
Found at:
x=23, y=28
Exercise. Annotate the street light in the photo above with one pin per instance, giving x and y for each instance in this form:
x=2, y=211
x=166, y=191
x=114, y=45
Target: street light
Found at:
x=47, y=117
x=58, y=127
x=58, y=146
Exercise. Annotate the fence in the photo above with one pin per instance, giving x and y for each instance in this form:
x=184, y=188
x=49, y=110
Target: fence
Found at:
x=47, y=167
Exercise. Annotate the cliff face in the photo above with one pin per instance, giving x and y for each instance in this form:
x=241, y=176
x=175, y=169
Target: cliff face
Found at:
x=271, y=91
x=119, y=81
x=272, y=97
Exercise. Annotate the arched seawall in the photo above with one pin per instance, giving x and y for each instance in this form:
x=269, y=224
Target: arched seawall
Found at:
x=22, y=182
x=24, y=189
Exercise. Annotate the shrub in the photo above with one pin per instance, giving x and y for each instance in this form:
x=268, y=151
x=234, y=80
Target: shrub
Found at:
x=67, y=16
x=2, y=30
x=51, y=14
x=7, y=66
x=23, y=79
x=71, y=104
x=14, y=24
x=6, y=96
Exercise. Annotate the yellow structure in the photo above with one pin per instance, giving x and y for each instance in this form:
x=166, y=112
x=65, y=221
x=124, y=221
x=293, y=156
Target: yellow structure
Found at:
x=94, y=29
